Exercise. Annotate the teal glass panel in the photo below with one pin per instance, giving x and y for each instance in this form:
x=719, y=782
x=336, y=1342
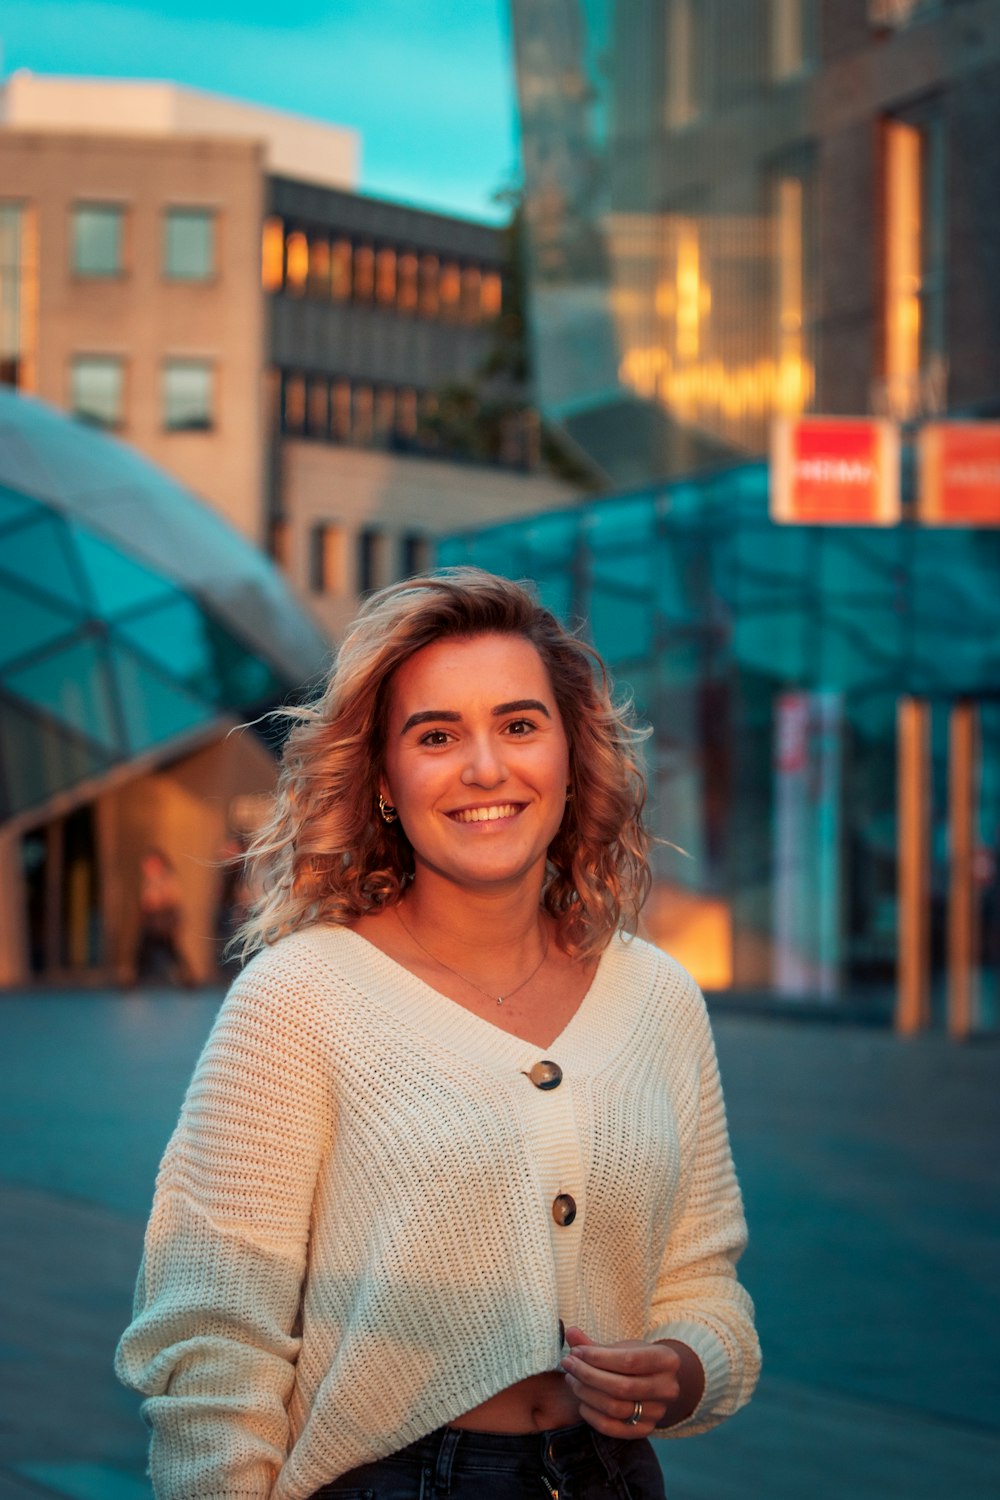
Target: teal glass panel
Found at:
x=773, y=642
x=29, y=624
x=40, y=552
x=193, y=649
x=154, y=710
x=855, y=648
x=622, y=525
x=72, y=685
x=622, y=623
x=15, y=507
x=118, y=582
x=38, y=760
x=860, y=564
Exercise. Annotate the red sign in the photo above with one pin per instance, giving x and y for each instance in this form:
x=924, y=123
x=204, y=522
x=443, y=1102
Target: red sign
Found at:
x=829, y=471
x=959, y=474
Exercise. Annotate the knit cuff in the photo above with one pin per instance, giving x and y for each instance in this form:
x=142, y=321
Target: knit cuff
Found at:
x=714, y=1360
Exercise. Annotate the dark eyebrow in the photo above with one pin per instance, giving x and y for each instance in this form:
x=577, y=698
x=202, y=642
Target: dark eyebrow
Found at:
x=449, y=716
x=429, y=715
x=520, y=706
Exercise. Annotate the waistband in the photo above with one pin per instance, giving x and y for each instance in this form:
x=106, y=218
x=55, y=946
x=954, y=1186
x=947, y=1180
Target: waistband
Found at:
x=563, y=1449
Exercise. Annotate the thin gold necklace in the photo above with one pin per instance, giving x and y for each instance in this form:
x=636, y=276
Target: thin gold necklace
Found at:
x=490, y=994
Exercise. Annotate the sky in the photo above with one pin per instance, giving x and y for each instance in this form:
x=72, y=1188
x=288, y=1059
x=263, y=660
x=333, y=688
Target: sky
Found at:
x=428, y=84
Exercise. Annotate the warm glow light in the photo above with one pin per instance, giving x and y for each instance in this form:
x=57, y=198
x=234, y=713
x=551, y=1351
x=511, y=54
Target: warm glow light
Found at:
x=272, y=255
x=492, y=295
x=712, y=388
x=296, y=262
x=903, y=225
x=693, y=301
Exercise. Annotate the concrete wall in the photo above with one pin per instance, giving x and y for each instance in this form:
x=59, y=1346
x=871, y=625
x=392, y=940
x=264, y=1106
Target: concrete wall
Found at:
x=139, y=315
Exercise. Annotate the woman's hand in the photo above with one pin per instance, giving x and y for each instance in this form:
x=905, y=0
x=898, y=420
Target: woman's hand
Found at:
x=609, y=1379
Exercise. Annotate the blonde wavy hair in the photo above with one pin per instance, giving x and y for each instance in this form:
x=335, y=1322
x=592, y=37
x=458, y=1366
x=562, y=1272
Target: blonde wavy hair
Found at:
x=327, y=856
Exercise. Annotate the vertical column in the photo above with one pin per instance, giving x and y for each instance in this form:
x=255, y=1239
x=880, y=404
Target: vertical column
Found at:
x=963, y=908
x=913, y=818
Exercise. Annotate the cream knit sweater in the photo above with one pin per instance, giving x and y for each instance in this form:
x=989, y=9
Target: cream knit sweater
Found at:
x=352, y=1240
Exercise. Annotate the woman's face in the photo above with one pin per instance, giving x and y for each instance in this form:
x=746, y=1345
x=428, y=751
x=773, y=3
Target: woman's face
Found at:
x=476, y=760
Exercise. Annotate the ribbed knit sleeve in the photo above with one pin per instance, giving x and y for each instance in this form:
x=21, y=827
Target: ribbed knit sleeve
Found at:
x=697, y=1298
x=214, y=1337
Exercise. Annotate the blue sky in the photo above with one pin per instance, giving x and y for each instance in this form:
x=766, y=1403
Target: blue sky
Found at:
x=427, y=83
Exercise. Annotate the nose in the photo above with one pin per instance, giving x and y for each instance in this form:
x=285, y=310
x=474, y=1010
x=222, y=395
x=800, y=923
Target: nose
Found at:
x=485, y=765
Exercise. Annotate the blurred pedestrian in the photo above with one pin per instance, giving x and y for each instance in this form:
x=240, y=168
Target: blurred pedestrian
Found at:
x=159, y=954
x=450, y=1207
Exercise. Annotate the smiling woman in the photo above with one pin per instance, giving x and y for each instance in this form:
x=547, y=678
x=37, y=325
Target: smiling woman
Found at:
x=450, y=1204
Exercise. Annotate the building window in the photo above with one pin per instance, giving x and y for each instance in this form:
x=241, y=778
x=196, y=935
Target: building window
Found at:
x=385, y=276
x=793, y=260
x=363, y=416
x=364, y=273
x=788, y=48
x=319, y=268
x=415, y=553
x=471, y=294
x=11, y=217
x=189, y=244
x=682, y=93
x=914, y=264
x=280, y=541
x=293, y=403
x=327, y=559
x=188, y=395
x=98, y=239
x=341, y=256
x=407, y=293
x=406, y=416
x=272, y=255
x=429, y=285
x=371, y=544
x=97, y=389
x=491, y=295
x=385, y=415
x=318, y=408
x=450, y=290
x=340, y=411
x=296, y=262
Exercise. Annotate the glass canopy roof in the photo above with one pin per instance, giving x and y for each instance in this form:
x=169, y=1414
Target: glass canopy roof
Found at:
x=134, y=618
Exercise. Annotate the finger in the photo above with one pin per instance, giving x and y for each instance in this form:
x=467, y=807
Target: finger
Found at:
x=631, y=1358
x=589, y=1383
x=614, y=1426
x=618, y=1410
x=633, y=1378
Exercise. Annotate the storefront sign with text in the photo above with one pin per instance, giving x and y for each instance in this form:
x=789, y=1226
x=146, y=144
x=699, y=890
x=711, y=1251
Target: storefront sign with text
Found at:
x=828, y=471
x=959, y=474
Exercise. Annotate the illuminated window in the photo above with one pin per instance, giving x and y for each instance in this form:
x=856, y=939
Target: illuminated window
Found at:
x=792, y=259
x=914, y=265
x=319, y=267
x=98, y=239
x=188, y=395
x=682, y=102
x=318, y=407
x=272, y=255
x=471, y=294
x=280, y=542
x=340, y=411
x=341, y=256
x=406, y=415
x=11, y=224
x=97, y=389
x=450, y=289
x=385, y=276
x=428, y=410
x=491, y=295
x=429, y=300
x=296, y=262
x=189, y=244
x=327, y=558
x=415, y=553
x=293, y=403
x=407, y=293
x=385, y=415
x=362, y=416
x=371, y=551
x=788, y=37
x=364, y=273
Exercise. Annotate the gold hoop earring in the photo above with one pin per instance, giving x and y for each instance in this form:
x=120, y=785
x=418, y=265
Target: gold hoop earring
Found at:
x=386, y=809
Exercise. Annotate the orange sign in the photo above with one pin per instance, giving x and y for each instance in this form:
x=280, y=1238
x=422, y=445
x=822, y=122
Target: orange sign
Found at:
x=959, y=474
x=830, y=471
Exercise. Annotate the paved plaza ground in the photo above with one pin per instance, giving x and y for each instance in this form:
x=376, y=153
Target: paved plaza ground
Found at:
x=871, y=1171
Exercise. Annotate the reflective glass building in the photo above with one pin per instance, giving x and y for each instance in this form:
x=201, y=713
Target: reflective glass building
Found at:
x=774, y=664
x=138, y=628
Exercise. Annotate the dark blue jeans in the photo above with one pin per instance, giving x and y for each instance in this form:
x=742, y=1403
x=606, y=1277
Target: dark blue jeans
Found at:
x=570, y=1463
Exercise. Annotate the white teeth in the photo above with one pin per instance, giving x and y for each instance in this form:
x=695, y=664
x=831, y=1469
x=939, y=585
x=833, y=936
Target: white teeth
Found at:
x=485, y=814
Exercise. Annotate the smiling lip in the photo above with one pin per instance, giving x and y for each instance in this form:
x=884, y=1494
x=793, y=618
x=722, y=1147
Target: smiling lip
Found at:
x=486, y=814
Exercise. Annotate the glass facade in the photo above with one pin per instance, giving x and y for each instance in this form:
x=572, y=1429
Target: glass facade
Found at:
x=134, y=617
x=97, y=389
x=770, y=661
x=743, y=209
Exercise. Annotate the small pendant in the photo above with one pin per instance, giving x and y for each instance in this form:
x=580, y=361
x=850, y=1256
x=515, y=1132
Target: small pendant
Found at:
x=499, y=999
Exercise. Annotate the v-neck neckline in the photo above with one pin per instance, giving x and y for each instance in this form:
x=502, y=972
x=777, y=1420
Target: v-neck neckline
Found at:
x=437, y=1015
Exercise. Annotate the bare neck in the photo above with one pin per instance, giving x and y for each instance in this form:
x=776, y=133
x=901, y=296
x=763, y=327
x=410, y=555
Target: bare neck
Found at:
x=459, y=922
